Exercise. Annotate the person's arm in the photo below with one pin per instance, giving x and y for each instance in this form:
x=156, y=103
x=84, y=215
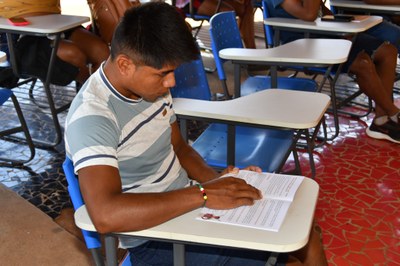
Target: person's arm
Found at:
x=382, y=2
x=114, y=211
x=302, y=9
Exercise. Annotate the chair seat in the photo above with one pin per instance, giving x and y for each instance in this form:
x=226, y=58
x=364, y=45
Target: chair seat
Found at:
x=258, y=83
x=268, y=148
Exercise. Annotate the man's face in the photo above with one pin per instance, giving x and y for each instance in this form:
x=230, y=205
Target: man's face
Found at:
x=149, y=83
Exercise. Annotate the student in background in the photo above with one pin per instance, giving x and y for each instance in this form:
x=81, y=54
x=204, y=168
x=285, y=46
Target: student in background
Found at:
x=78, y=50
x=387, y=30
x=371, y=60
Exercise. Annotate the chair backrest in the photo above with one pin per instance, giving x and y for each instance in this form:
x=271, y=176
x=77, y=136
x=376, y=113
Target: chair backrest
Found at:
x=268, y=31
x=224, y=33
x=191, y=81
x=92, y=239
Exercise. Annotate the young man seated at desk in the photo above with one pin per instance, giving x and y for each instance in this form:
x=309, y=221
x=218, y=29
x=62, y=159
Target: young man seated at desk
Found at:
x=371, y=60
x=77, y=49
x=133, y=164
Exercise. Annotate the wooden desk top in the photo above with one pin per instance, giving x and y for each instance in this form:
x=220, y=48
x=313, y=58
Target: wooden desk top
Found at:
x=47, y=24
x=293, y=234
x=272, y=107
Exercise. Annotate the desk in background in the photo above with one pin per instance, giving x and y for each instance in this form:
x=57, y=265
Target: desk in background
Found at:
x=279, y=108
x=48, y=25
x=303, y=52
x=320, y=27
x=185, y=229
x=326, y=28
x=354, y=5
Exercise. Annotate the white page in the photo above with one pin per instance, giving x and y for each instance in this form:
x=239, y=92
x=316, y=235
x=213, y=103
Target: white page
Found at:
x=277, y=186
x=267, y=213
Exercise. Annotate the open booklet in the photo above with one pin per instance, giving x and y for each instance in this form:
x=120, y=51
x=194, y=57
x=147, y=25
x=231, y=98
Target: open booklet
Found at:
x=269, y=212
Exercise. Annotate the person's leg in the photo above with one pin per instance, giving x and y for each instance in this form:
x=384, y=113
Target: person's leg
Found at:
x=375, y=78
x=243, y=10
x=208, y=7
x=385, y=62
x=313, y=253
x=70, y=53
x=95, y=49
x=377, y=85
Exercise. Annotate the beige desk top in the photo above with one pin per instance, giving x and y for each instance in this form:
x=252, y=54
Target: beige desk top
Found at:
x=302, y=51
x=352, y=27
x=273, y=107
x=47, y=24
x=293, y=234
x=362, y=6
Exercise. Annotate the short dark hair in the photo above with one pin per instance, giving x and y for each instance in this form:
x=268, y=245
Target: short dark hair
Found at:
x=154, y=34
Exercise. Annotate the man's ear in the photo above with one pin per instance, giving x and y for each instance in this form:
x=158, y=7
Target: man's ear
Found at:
x=125, y=65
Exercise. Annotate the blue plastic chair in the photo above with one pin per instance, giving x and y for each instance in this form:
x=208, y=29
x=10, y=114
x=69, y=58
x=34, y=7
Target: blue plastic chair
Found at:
x=92, y=239
x=267, y=148
x=5, y=95
x=224, y=33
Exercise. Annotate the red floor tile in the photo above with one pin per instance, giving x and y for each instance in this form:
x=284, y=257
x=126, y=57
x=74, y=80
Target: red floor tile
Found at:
x=359, y=200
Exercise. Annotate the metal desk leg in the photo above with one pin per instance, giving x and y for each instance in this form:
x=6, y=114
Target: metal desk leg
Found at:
x=277, y=37
x=53, y=110
x=274, y=76
x=333, y=97
x=111, y=250
x=183, y=128
x=231, y=142
x=49, y=95
x=310, y=149
x=179, y=254
x=236, y=78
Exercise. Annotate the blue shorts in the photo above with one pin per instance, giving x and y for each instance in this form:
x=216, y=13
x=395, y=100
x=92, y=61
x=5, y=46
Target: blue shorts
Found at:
x=161, y=253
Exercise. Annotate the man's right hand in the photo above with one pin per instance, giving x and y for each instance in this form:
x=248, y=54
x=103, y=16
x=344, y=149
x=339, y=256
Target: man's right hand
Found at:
x=229, y=193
